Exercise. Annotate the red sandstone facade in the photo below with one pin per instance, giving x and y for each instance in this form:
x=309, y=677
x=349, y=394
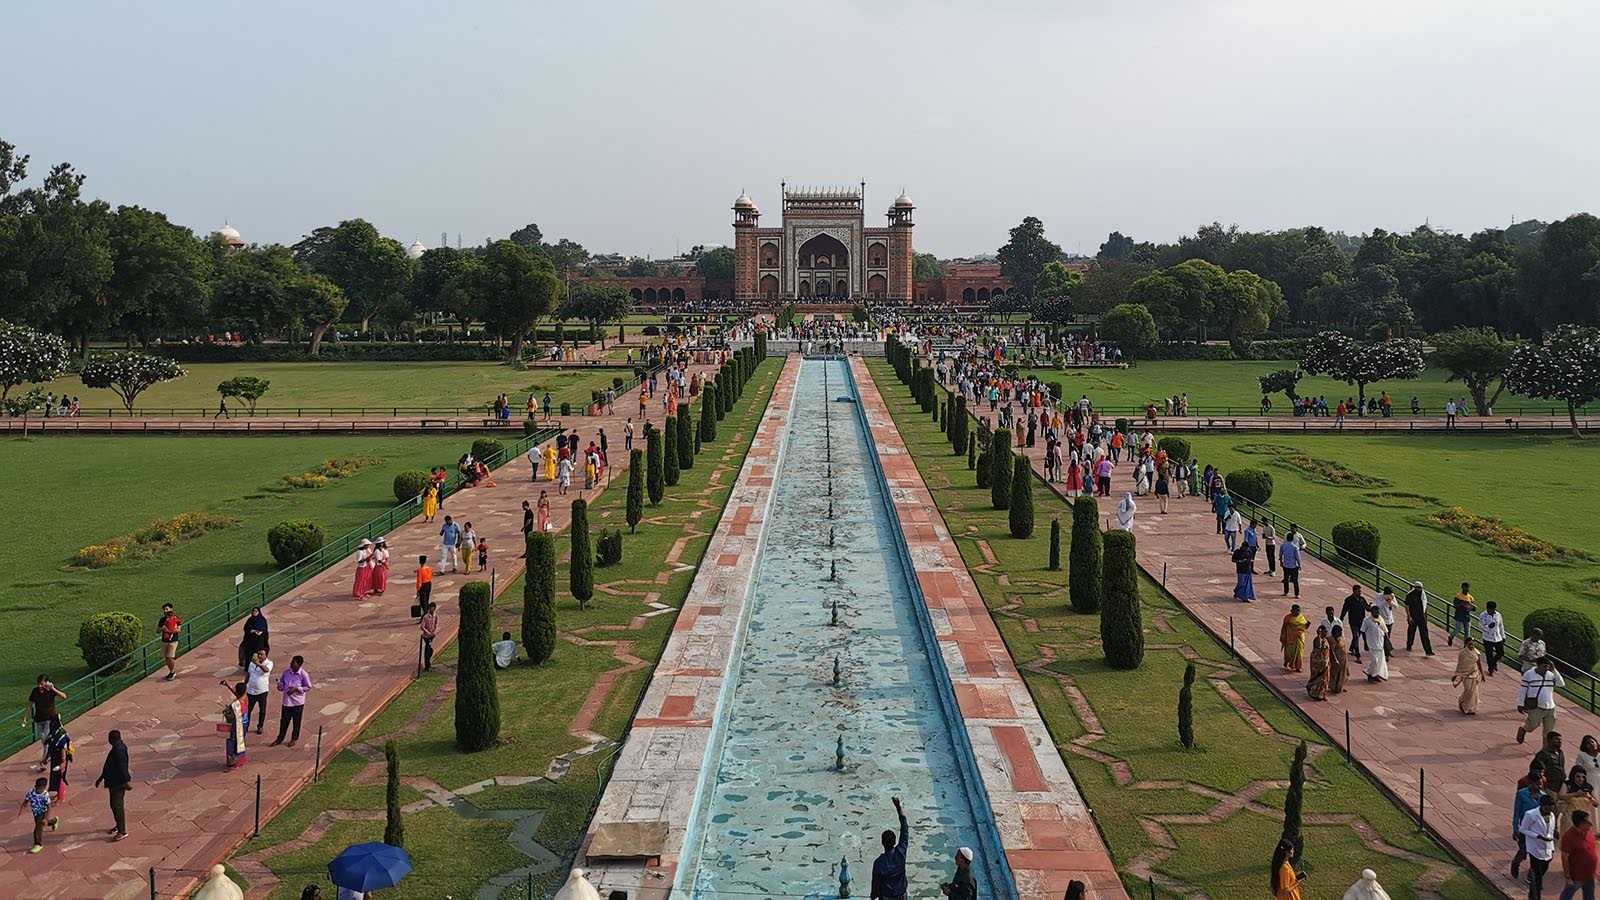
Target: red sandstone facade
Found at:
x=823, y=250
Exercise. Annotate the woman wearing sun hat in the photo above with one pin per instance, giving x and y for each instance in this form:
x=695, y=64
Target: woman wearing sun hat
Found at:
x=363, y=585
x=380, y=566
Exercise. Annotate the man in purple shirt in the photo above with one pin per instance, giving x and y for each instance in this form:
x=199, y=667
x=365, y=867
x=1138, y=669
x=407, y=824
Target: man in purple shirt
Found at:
x=294, y=683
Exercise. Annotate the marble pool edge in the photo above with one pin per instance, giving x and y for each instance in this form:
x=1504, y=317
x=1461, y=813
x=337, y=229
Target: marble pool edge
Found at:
x=658, y=772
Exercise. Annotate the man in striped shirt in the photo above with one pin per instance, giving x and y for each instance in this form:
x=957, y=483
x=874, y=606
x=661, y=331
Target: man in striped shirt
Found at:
x=1537, y=697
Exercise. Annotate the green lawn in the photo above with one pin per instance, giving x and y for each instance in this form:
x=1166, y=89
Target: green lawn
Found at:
x=1540, y=484
x=1165, y=788
x=347, y=385
x=1214, y=386
x=77, y=491
x=454, y=855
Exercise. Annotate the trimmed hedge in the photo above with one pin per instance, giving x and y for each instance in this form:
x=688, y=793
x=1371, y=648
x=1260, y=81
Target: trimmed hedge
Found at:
x=669, y=458
x=1356, y=540
x=105, y=637
x=487, y=449
x=477, y=695
x=1083, y=574
x=539, y=597
x=1186, y=707
x=295, y=539
x=1178, y=449
x=581, y=570
x=1569, y=635
x=635, y=506
x=655, y=473
x=1000, y=469
x=349, y=351
x=1121, y=628
x=1021, y=518
x=408, y=485
x=1055, y=545
x=529, y=426
x=685, y=438
x=608, y=547
x=1254, y=485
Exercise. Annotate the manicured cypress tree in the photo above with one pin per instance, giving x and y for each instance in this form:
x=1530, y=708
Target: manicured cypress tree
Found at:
x=685, y=438
x=1055, y=544
x=1021, y=519
x=1293, y=802
x=959, y=427
x=1121, y=629
x=655, y=477
x=723, y=387
x=1083, y=576
x=708, y=418
x=539, y=596
x=972, y=450
x=941, y=415
x=635, y=510
x=669, y=459
x=394, y=830
x=984, y=470
x=477, y=696
x=1000, y=469
x=581, y=574
x=1186, y=707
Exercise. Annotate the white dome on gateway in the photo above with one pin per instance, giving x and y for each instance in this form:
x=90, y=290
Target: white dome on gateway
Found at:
x=824, y=251
x=416, y=249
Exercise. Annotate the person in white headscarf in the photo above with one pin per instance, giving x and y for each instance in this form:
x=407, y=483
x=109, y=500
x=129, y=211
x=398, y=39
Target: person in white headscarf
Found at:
x=1367, y=888
x=1125, y=510
x=1141, y=483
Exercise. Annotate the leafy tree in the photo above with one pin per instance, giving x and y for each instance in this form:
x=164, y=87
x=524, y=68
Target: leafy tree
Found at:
x=365, y=265
x=926, y=266
x=160, y=274
x=1026, y=253
x=539, y=597
x=641, y=267
x=1054, y=280
x=248, y=388
x=595, y=302
x=1117, y=246
x=517, y=289
x=55, y=255
x=251, y=293
x=128, y=374
x=1000, y=469
x=1021, y=512
x=1083, y=575
x=635, y=507
x=1129, y=326
x=1567, y=369
x=716, y=265
x=1294, y=801
x=1284, y=380
x=1186, y=707
x=318, y=303
x=477, y=694
x=1361, y=362
x=528, y=237
x=1559, y=280
x=1200, y=282
x=394, y=829
x=27, y=356
x=655, y=467
x=669, y=458
x=581, y=566
x=1121, y=628
x=565, y=255
x=1160, y=293
x=1476, y=357
x=435, y=270
x=1245, y=303
x=1107, y=283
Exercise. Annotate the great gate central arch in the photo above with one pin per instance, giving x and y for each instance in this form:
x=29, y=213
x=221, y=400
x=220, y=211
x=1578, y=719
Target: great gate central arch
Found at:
x=823, y=249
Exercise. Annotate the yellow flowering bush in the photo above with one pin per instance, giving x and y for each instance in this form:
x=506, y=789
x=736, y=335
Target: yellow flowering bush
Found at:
x=328, y=469
x=150, y=539
x=1491, y=530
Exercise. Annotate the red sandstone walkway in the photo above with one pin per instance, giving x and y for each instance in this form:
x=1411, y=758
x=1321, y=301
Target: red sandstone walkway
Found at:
x=185, y=811
x=1399, y=728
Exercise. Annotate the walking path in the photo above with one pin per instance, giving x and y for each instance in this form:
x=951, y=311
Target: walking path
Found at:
x=186, y=812
x=1399, y=729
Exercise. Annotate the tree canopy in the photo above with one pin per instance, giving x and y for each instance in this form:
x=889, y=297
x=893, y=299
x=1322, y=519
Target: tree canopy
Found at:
x=1478, y=358
x=716, y=264
x=1026, y=253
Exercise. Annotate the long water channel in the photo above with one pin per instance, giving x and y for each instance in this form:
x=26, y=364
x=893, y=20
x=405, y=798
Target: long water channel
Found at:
x=775, y=812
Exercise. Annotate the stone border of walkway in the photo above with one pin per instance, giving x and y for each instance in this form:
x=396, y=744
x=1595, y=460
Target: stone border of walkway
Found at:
x=656, y=776
x=1048, y=831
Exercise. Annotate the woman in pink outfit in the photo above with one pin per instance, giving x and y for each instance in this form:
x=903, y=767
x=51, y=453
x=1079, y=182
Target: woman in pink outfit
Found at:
x=380, y=566
x=363, y=585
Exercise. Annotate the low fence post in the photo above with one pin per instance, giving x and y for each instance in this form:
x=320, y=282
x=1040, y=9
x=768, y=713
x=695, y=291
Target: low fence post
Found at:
x=257, y=832
x=316, y=767
x=1231, y=652
x=1347, y=735
x=1422, y=798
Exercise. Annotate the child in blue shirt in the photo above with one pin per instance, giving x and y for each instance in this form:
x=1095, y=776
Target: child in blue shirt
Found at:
x=38, y=800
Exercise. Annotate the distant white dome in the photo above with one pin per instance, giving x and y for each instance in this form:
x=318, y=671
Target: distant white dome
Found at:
x=230, y=234
x=744, y=202
x=416, y=249
x=903, y=200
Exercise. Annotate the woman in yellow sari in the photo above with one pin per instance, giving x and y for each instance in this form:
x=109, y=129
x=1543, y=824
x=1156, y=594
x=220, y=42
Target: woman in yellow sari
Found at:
x=1293, y=638
x=1338, y=665
x=1469, y=675
x=548, y=454
x=430, y=503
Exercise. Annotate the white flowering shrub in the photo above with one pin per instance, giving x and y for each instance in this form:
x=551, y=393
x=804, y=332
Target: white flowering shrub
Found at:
x=28, y=357
x=128, y=374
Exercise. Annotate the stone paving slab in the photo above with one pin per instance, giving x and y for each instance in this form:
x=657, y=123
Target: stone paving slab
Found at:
x=657, y=774
x=186, y=811
x=1047, y=830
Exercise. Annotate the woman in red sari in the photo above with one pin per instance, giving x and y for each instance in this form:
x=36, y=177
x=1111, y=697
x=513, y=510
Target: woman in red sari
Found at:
x=1074, y=476
x=363, y=585
x=380, y=566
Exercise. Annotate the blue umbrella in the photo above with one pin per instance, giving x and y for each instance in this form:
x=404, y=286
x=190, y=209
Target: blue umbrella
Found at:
x=369, y=866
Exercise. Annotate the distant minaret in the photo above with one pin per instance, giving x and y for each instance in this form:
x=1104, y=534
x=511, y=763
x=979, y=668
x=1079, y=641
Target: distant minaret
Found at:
x=444, y=239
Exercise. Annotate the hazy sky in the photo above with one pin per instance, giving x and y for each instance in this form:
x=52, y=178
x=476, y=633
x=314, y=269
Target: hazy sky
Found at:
x=633, y=126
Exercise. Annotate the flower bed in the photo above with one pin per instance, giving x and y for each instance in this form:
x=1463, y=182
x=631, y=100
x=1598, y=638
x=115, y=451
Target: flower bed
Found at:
x=149, y=540
x=337, y=467
x=1321, y=469
x=1509, y=538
